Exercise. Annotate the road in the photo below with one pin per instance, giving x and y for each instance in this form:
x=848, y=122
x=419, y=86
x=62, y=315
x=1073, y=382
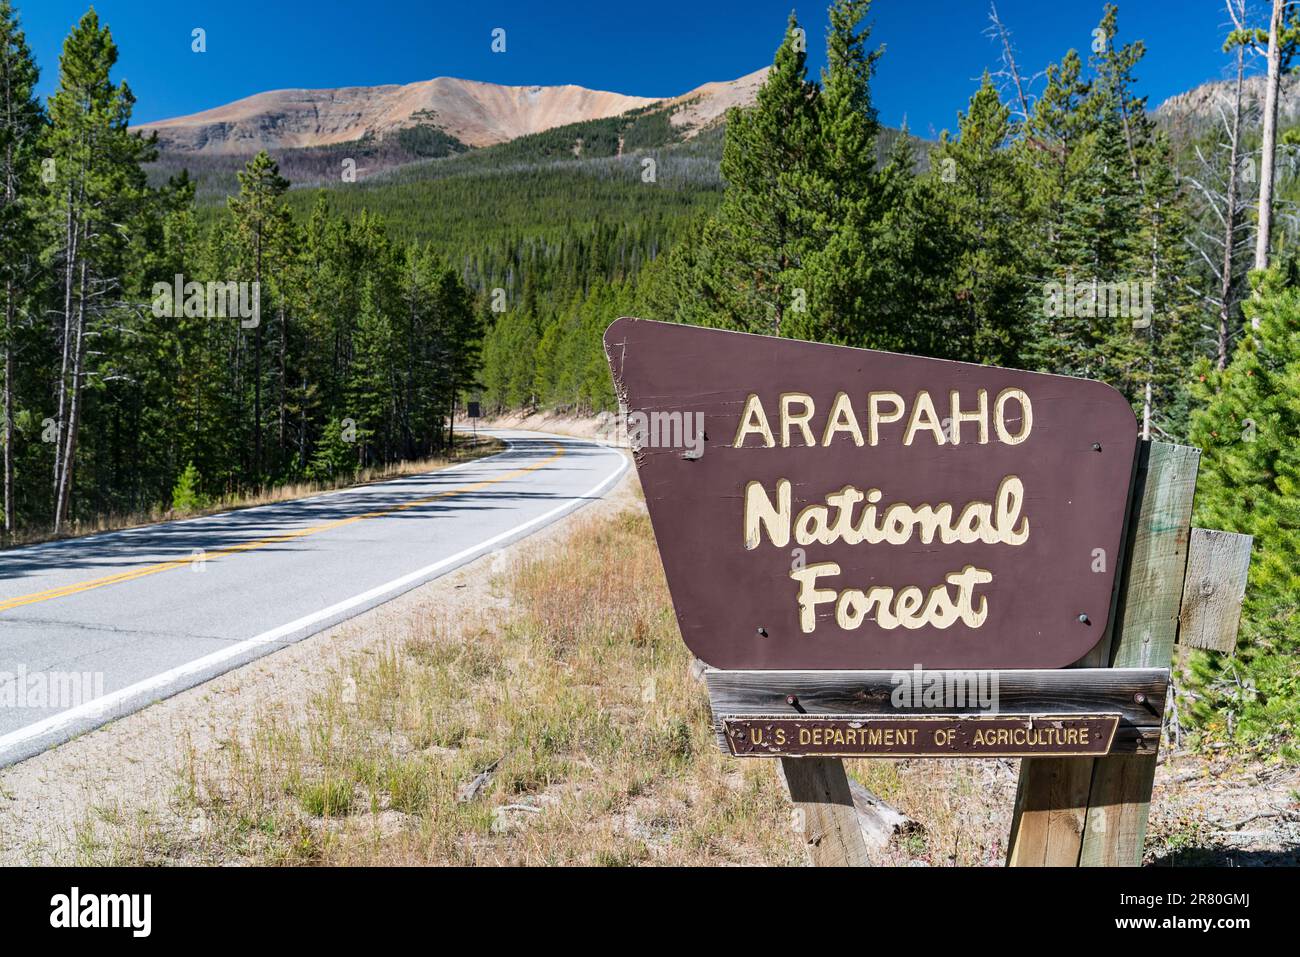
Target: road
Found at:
x=95, y=628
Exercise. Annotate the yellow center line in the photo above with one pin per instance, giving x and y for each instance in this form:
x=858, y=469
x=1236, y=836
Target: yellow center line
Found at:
x=134, y=573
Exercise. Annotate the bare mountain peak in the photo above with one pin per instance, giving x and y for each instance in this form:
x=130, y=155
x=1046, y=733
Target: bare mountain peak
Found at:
x=1213, y=101
x=705, y=104
x=475, y=112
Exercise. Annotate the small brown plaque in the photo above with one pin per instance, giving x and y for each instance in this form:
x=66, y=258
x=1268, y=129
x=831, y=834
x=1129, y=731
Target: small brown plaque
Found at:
x=929, y=736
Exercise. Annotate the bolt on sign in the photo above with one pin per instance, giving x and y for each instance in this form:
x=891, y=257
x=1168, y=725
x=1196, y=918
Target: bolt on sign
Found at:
x=853, y=509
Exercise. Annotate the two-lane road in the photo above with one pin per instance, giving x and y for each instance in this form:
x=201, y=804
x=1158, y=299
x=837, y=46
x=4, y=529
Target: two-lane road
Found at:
x=150, y=611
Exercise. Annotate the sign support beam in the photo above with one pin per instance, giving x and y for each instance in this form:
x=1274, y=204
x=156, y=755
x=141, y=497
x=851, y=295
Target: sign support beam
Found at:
x=1120, y=797
x=1080, y=811
x=824, y=813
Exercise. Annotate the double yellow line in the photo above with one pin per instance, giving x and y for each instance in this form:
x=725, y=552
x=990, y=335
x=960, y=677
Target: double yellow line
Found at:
x=132, y=574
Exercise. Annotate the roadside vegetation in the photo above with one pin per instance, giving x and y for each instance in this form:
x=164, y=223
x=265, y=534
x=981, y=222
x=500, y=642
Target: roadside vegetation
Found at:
x=561, y=726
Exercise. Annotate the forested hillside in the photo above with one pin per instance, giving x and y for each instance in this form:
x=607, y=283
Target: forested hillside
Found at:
x=813, y=239
x=331, y=346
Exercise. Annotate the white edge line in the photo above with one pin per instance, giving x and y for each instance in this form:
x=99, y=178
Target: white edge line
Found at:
x=105, y=704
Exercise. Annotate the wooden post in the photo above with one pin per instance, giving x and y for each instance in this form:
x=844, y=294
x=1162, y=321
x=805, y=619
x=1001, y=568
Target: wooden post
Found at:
x=1051, y=806
x=1093, y=811
x=1150, y=601
x=1052, y=795
x=819, y=792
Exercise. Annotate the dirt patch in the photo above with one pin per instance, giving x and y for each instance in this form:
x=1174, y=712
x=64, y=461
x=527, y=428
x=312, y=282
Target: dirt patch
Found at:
x=1222, y=811
x=1205, y=810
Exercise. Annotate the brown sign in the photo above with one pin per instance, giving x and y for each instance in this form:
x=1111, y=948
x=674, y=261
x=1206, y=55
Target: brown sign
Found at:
x=937, y=736
x=821, y=507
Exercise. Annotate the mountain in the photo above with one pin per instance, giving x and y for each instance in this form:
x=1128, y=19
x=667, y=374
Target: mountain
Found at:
x=1209, y=103
x=467, y=112
x=704, y=105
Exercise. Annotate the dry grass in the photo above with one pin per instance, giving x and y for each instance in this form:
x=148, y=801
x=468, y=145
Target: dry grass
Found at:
x=470, y=448
x=574, y=694
x=963, y=806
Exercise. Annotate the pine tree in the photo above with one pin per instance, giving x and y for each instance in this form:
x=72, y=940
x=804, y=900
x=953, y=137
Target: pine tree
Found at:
x=424, y=357
x=458, y=334
x=1052, y=138
x=96, y=193
x=186, y=496
x=21, y=121
x=335, y=456
x=261, y=220
x=372, y=382
x=1147, y=354
x=764, y=227
x=197, y=379
x=985, y=195
x=840, y=291
x=1249, y=482
x=847, y=121
x=1169, y=338
x=909, y=302
x=1110, y=213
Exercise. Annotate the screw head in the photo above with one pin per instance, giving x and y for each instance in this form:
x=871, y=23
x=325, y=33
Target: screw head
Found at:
x=1096, y=446
x=1083, y=620
x=762, y=632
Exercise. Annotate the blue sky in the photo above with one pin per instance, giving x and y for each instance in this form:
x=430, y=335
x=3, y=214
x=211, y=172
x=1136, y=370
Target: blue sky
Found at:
x=935, y=51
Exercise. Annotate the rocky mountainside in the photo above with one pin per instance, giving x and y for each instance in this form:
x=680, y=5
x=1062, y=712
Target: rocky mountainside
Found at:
x=1210, y=102
x=477, y=114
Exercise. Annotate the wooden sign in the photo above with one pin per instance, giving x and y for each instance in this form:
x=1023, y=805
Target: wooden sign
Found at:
x=931, y=736
x=821, y=507
x=842, y=529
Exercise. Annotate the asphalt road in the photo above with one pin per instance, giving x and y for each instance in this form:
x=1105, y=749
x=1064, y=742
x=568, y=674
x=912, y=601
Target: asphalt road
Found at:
x=102, y=626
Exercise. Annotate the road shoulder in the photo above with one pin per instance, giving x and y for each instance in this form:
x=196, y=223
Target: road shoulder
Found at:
x=49, y=802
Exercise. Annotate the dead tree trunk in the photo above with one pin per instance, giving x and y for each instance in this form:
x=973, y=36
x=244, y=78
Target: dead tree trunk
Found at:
x=1269, y=147
x=63, y=491
x=1230, y=219
x=70, y=234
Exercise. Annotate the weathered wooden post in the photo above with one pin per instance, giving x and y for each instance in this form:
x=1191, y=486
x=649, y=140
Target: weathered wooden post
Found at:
x=1179, y=582
x=889, y=556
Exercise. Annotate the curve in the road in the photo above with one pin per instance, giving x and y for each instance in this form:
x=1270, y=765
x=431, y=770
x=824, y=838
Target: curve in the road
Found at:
x=32, y=737
x=78, y=587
